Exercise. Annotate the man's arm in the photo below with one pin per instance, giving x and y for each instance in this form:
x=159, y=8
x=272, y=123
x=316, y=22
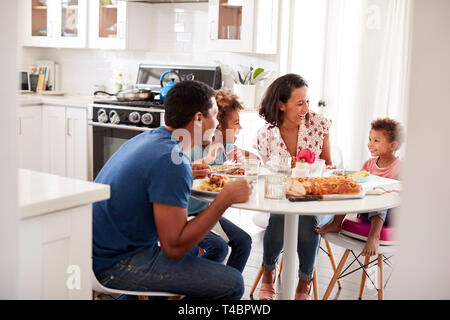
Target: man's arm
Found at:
x=177, y=235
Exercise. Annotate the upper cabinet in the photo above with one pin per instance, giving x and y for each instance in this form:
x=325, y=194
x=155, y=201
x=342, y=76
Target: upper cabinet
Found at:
x=102, y=24
x=55, y=23
x=243, y=26
x=117, y=24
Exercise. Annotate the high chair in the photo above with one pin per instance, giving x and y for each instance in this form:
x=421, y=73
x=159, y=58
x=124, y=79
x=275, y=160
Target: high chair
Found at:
x=353, y=238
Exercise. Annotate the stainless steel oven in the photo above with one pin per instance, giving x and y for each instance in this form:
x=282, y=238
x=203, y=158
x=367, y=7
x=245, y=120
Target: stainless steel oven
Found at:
x=112, y=125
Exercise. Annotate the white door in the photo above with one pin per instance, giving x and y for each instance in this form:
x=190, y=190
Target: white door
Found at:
x=76, y=143
x=231, y=25
x=30, y=138
x=54, y=140
x=107, y=24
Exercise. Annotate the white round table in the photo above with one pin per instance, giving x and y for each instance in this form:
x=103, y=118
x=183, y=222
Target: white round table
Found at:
x=291, y=210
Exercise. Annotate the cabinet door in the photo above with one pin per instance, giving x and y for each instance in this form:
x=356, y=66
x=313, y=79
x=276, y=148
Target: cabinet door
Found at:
x=54, y=140
x=107, y=24
x=71, y=27
x=30, y=138
x=76, y=143
x=39, y=22
x=231, y=25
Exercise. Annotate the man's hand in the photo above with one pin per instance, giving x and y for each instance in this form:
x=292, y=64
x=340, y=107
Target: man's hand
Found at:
x=236, y=155
x=237, y=191
x=201, y=170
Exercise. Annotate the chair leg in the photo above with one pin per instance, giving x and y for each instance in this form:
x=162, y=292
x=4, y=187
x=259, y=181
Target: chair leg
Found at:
x=336, y=274
x=315, y=288
x=258, y=277
x=281, y=264
x=380, y=277
x=363, y=278
x=333, y=262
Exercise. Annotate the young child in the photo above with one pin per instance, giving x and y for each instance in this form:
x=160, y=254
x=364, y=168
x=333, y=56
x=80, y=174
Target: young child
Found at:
x=385, y=138
x=220, y=150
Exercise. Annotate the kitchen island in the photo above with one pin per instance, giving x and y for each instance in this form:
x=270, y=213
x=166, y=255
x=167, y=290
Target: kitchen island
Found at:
x=55, y=235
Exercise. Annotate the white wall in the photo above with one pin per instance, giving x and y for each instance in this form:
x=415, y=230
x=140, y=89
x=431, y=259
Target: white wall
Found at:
x=423, y=262
x=8, y=159
x=81, y=69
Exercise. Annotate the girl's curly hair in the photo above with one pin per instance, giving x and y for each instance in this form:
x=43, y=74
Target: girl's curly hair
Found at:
x=226, y=101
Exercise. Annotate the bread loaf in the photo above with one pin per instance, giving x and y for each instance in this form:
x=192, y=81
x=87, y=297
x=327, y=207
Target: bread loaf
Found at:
x=305, y=186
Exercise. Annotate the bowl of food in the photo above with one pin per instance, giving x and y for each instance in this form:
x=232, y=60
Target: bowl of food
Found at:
x=360, y=176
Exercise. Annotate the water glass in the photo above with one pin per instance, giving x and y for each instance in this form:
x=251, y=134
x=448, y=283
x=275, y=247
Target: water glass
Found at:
x=275, y=186
x=317, y=168
x=252, y=169
x=282, y=165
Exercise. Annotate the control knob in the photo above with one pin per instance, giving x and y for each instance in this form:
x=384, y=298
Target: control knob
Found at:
x=114, y=117
x=147, y=118
x=102, y=116
x=134, y=117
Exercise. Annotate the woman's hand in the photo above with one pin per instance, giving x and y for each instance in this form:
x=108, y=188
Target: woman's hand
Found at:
x=201, y=170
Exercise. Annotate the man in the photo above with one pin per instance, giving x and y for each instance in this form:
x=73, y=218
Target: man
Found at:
x=142, y=239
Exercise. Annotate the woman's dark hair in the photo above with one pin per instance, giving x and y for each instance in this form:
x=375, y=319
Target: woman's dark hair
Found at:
x=391, y=128
x=279, y=90
x=226, y=102
x=184, y=100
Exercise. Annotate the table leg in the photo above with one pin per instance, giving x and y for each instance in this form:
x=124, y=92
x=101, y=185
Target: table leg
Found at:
x=288, y=278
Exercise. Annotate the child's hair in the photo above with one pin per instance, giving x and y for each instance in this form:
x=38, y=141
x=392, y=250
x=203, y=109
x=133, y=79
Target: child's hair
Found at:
x=393, y=130
x=226, y=101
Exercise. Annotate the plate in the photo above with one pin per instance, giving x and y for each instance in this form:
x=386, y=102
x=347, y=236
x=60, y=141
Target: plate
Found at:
x=195, y=189
x=349, y=172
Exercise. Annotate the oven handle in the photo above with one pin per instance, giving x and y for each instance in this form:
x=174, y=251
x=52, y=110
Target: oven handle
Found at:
x=115, y=126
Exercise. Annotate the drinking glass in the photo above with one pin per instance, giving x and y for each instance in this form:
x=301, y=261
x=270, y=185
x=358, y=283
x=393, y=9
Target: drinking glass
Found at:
x=275, y=186
x=252, y=169
x=282, y=165
x=317, y=168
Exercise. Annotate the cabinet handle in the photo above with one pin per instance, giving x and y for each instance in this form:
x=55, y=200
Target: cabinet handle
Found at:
x=68, y=127
x=20, y=126
x=211, y=31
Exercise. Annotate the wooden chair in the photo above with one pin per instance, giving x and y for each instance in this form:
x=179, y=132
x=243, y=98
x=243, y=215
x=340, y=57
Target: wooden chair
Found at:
x=352, y=238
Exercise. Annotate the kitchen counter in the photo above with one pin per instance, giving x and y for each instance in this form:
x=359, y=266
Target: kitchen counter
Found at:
x=42, y=193
x=67, y=100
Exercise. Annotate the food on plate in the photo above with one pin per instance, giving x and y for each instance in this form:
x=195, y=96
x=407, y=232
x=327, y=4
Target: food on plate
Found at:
x=317, y=186
x=353, y=174
x=213, y=184
x=223, y=167
x=237, y=172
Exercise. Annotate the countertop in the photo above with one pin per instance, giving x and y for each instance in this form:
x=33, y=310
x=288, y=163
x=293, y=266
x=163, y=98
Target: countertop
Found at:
x=42, y=193
x=68, y=100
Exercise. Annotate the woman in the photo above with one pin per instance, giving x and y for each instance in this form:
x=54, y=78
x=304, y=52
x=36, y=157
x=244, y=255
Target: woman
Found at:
x=291, y=126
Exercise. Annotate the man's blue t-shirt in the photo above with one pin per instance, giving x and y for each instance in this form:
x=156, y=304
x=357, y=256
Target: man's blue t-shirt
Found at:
x=149, y=168
x=197, y=206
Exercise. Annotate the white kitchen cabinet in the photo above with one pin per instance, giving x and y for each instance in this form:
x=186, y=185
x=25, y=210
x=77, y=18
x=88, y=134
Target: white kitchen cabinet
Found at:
x=30, y=137
x=65, y=141
x=243, y=25
x=54, y=23
x=117, y=24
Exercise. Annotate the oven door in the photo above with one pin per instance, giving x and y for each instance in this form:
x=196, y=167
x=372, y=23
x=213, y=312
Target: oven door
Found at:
x=107, y=139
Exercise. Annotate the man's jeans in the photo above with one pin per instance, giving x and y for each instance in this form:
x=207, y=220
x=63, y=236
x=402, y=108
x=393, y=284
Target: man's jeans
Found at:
x=307, y=244
x=191, y=276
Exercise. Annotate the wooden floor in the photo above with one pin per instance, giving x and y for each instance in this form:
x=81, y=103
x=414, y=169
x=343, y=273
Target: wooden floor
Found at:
x=350, y=283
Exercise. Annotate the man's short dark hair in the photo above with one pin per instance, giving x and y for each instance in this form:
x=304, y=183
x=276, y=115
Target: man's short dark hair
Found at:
x=184, y=100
